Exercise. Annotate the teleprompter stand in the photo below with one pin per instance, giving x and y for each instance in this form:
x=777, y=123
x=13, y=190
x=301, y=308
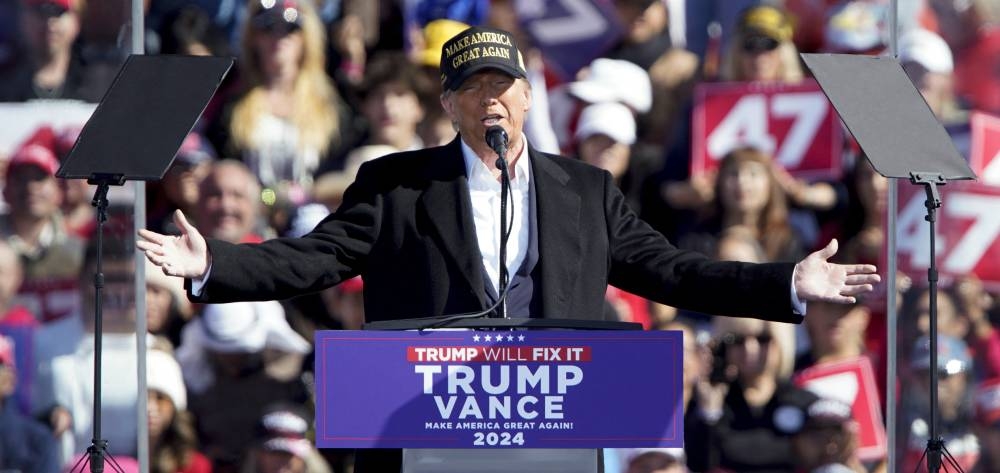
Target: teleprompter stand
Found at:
x=424, y=460
x=134, y=134
x=903, y=140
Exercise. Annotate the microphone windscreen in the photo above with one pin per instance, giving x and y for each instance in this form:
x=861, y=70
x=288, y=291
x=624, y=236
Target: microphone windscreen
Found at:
x=496, y=137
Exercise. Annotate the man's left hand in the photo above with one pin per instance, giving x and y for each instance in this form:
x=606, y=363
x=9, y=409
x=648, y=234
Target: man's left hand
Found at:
x=817, y=279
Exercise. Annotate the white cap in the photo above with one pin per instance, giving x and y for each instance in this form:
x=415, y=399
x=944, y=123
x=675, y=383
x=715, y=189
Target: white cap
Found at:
x=248, y=327
x=927, y=49
x=615, y=80
x=163, y=374
x=609, y=118
x=305, y=219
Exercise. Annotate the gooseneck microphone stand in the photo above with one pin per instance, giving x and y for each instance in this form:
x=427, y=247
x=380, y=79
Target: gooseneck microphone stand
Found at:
x=935, y=450
x=98, y=449
x=496, y=138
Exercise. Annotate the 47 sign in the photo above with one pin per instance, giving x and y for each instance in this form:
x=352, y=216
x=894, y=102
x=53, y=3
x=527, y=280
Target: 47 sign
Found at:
x=967, y=231
x=793, y=123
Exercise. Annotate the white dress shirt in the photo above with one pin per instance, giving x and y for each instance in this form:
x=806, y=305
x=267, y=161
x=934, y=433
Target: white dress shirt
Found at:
x=484, y=193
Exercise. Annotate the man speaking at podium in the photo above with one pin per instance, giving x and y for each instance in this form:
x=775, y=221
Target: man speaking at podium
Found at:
x=423, y=229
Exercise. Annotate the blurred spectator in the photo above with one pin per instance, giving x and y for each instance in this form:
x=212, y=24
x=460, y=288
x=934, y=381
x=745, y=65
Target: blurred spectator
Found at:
x=672, y=71
x=79, y=214
x=961, y=22
x=696, y=358
x=346, y=304
x=244, y=351
x=604, y=136
x=50, y=67
x=762, y=48
x=34, y=228
x=25, y=444
x=825, y=438
x=282, y=446
x=954, y=410
x=392, y=101
x=987, y=426
x=289, y=117
x=229, y=203
x=972, y=30
x=973, y=301
x=604, y=80
x=928, y=62
x=746, y=194
x=856, y=27
x=167, y=307
x=189, y=31
x=740, y=244
x=739, y=426
x=960, y=315
x=17, y=323
x=179, y=187
x=11, y=275
x=836, y=333
x=655, y=460
x=710, y=24
x=436, y=129
x=862, y=230
x=172, y=439
x=65, y=389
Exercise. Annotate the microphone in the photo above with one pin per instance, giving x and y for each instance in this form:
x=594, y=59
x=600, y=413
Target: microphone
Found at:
x=496, y=138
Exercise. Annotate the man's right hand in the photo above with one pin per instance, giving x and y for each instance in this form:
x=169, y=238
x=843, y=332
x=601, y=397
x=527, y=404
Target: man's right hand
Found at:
x=185, y=256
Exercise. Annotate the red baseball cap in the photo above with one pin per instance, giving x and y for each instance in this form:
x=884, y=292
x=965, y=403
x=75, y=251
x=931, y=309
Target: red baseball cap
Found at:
x=34, y=155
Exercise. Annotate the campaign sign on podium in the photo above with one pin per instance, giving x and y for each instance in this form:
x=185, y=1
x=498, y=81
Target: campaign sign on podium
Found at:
x=498, y=389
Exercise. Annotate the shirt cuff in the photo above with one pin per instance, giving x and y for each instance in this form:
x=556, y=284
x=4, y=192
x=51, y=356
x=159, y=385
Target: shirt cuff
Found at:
x=798, y=305
x=198, y=285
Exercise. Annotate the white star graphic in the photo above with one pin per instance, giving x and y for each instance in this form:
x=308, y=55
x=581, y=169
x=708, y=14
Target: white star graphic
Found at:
x=489, y=338
x=475, y=338
x=510, y=338
x=520, y=338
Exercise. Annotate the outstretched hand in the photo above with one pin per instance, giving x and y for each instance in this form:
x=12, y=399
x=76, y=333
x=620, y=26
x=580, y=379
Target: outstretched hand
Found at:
x=185, y=255
x=817, y=279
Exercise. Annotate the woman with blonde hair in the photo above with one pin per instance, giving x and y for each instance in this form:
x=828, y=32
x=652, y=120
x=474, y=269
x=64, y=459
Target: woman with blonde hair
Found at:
x=762, y=48
x=288, y=118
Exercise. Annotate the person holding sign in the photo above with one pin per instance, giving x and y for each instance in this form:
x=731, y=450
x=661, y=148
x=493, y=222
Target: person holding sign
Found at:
x=421, y=227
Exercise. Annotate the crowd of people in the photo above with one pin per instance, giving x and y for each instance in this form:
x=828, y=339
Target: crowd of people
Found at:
x=323, y=86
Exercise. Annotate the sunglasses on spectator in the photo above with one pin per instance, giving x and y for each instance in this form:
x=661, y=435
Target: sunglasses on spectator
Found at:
x=763, y=338
x=759, y=44
x=281, y=28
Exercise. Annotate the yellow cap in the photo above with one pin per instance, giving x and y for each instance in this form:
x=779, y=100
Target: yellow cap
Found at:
x=768, y=21
x=436, y=33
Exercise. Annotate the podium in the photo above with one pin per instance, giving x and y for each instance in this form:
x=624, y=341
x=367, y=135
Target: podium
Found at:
x=499, y=395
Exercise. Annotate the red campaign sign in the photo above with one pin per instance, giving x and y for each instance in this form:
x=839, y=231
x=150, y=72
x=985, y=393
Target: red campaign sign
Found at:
x=853, y=383
x=793, y=123
x=985, y=156
x=967, y=232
